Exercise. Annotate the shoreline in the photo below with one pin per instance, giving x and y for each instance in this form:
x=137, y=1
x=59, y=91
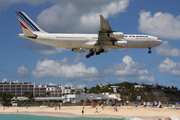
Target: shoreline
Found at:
x=107, y=112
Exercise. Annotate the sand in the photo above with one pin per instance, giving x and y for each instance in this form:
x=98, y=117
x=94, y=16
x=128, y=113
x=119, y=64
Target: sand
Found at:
x=107, y=112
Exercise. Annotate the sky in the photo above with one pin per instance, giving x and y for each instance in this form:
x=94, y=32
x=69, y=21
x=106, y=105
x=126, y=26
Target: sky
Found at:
x=28, y=61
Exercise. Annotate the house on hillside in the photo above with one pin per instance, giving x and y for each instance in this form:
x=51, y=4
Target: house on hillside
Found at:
x=137, y=87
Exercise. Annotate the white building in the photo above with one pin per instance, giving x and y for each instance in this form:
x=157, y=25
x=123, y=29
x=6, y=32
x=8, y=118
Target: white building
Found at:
x=138, y=86
x=59, y=90
x=115, y=88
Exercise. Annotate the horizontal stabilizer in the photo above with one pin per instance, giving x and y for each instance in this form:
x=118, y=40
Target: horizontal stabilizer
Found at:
x=28, y=33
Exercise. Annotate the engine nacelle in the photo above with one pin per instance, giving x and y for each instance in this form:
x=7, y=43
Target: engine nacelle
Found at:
x=120, y=43
x=116, y=35
x=80, y=50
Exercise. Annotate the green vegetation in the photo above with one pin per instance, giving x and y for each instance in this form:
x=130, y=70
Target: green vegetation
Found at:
x=127, y=91
x=6, y=98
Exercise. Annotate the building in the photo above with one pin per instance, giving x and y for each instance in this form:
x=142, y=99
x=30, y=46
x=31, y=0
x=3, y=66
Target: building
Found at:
x=55, y=90
x=115, y=88
x=73, y=98
x=52, y=90
x=19, y=88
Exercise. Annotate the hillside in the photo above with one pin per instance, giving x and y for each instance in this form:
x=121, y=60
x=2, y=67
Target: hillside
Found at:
x=130, y=91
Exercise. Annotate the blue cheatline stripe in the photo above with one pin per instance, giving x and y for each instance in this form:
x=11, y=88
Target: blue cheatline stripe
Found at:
x=27, y=21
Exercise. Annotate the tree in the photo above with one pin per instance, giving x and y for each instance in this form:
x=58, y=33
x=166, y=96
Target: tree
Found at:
x=29, y=95
x=6, y=98
x=97, y=87
x=85, y=89
x=78, y=92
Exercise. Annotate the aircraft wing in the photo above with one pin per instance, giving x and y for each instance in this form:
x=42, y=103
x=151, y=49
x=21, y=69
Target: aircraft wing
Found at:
x=104, y=31
x=104, y=25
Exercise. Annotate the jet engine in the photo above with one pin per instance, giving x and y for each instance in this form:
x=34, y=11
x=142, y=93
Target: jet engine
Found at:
x=116, y=35
x=120, y=43
x=80, y=50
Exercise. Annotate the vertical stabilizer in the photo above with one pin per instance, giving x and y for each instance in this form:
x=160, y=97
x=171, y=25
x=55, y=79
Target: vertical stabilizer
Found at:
x=27, y=23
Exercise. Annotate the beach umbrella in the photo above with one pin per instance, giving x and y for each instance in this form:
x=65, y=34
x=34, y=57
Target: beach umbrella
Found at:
x=177, y=103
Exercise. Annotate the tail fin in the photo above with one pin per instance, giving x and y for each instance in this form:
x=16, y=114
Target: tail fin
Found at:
x=27, y=23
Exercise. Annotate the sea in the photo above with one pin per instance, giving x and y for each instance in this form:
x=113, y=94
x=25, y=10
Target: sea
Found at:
x=36, y=117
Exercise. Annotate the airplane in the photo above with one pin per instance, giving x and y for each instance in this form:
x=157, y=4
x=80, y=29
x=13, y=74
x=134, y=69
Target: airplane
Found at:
x=96, y=43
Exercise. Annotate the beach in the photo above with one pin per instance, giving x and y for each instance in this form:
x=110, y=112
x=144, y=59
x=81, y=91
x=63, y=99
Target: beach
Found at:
x=107, y=112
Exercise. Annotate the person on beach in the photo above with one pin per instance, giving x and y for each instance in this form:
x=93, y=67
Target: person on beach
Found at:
x=59, y=106
x=82, y=111
x=127, y=102
x=167, y=104
x=96, y=110
x=115, y=108
x=17, y=111
x=148, y=104
x=102, y=106
x=159, y=105
x=144, y=104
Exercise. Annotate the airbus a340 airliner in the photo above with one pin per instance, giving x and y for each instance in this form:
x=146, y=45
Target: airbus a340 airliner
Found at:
x=95, y=43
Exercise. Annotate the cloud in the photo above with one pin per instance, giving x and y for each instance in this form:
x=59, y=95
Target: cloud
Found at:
x=129, y=68
x=6, y=3
x=43, y=49
x=165, y=50
x=163, y=25
x=83, y=17
x=22, y=70
x=119, y=79
x=81, y=86
x=169, y=67
x=61, y=68
x=146, y=78
x=4, y=80
x=78, y=57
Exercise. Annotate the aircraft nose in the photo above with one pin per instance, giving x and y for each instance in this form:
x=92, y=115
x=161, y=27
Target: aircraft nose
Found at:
x=160, y=42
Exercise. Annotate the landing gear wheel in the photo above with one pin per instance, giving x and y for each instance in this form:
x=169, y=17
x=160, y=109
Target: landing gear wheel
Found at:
x=87, y=56
x=149, y=51
x=97, y=53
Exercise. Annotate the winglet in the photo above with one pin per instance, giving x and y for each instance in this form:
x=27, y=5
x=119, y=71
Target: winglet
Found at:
x=104, y=25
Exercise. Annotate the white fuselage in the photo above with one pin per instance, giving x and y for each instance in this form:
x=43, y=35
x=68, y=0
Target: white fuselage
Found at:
x=87, y=41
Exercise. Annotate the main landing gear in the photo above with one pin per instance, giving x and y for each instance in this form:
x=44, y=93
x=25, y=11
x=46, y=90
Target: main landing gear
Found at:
x=91, y=52
x=149, y=51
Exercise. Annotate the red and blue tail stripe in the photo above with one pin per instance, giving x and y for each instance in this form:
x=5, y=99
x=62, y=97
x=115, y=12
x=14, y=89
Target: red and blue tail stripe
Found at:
x=26, y=22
